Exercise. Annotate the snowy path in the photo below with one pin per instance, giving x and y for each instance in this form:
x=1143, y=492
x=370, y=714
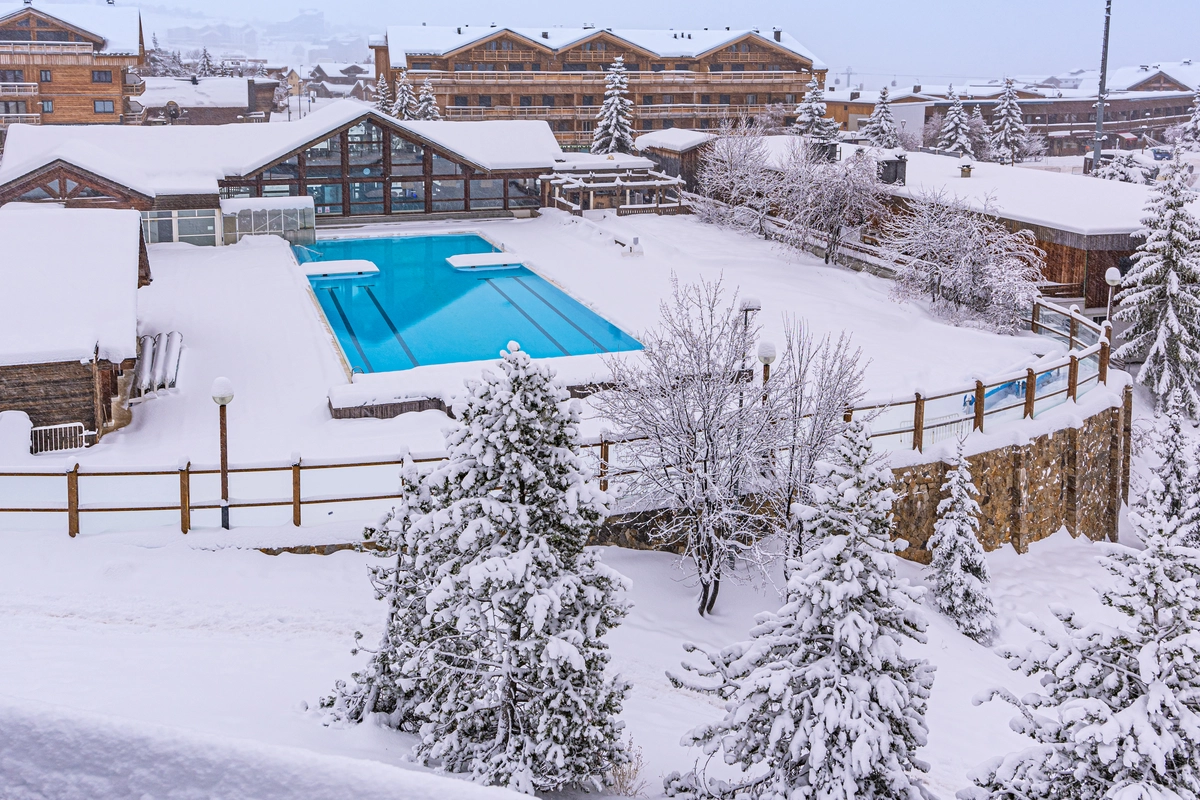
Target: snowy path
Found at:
x=232, y=643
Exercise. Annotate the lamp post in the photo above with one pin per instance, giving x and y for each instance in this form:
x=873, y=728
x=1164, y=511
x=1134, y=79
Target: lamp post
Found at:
x=222, y=395
x=1112, y=276
x=766, y=356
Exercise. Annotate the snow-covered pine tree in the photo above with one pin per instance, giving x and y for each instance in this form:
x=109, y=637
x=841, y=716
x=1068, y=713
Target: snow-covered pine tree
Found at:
x=959, y=571
x=1168, y=507
x=1160, y=295
x=515, y=693
x=1008, y=126
x=261, y=70
x=956, y=131
x=881, y=127
x=405, y=104
x=427, y=107
x=1189, y=133
x=977, y=130
x=821, y=703
x=205, y=68
x=810, y=116
x=1123, y=168
x=1117, y=714
x=384, y=103
x=614, y=125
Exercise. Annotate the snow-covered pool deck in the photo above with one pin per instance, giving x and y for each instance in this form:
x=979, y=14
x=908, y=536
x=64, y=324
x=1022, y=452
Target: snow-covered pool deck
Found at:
x=246, y=312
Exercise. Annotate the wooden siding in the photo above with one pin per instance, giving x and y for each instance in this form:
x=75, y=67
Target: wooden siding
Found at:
x=52, y=181
x=58, y=393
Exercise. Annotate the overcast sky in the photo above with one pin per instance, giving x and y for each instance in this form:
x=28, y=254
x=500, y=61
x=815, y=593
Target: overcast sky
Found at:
x=934, y=40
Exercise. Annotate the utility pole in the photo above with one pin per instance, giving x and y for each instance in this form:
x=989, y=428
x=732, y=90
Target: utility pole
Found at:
x=849, y=72
x=1099, y=143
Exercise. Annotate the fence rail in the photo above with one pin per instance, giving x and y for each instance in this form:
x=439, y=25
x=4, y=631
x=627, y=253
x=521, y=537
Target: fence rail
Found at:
x=910, y=423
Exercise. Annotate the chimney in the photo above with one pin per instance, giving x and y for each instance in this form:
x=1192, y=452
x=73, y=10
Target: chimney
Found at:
x=545, y=34
x=459, y=30
x=778, y=35
x=916, y=88
x=965, y=170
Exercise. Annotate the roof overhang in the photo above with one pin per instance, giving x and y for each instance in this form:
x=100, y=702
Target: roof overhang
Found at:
x=38, y=13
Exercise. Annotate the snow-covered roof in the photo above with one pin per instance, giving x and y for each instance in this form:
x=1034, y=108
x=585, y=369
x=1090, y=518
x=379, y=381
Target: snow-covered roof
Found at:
x=332, y=68
x=584, y=162
x=119, y=26
x=1186, y=73
x=1072, y=203
x=186, y=159
x=75, y=272
x=674, y=140
x=438, y=40
x=205, y=93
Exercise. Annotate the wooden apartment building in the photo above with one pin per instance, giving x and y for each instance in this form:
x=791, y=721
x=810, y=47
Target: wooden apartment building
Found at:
x=677, y=78
x=69, y=64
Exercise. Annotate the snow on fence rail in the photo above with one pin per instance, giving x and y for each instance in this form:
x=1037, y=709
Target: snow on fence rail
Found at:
x=910, y=423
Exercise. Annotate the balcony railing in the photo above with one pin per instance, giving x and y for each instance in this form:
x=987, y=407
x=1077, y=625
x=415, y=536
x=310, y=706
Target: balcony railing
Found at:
x=18, y=89
x=133, y=88
x=673, y=110
x=46, y=48
x=23, y=119
x=596, y=77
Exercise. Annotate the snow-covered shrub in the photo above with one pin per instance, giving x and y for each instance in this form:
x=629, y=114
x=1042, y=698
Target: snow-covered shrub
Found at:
x=614, y=125
x=956, y=129
x=505, y=612
x=1119, y=712
x=821, y=703
x=931, y=133
x=1123, y=168
x=737, y=184
x=1160, y=295
x=881, y=126
x=959, y=571
x=823, y=202
x=965, y=262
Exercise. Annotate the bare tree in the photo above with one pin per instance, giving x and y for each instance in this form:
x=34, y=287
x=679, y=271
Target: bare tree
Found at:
x=823, y=202
x=696, y=432
x=932, y=132
x=736, y=178
x=964, y=261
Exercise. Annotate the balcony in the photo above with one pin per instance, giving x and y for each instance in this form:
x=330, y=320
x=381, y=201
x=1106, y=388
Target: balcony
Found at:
x=18, y=89
x=133, y=86
x=660, y=111
x=595, y=78
x=22, y=119
x=46, y=48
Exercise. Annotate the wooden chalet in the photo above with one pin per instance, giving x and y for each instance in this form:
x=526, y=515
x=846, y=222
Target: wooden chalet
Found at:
x=68, y=347
x=69, y=64
x=351, y=160
x=675, y=151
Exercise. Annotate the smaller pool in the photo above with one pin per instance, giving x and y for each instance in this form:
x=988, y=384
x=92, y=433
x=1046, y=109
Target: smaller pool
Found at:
x=418, y=310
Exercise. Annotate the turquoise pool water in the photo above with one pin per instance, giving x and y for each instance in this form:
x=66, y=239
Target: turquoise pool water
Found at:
x=419, y=310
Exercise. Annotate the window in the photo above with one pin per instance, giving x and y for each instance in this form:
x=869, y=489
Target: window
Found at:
x=647, y=99
x=657, y=67
x=16, y=34
x=12, y=76
x=197, y=227
x=647, y=124
x=587, y=126
x=280, y=190
x=444, y=166
x=448, y=196
x=324, y=159
x=668, y=123
x=683, y=67
x=12, y=107
x=284, y=170
x=526, y=100
x=589, y=100
x=46, y=76
x=487, y=193
x=724, y=99
x=516, y=67
x=752, y=99
x=574, y=67
x=365, y=145
x=408, y=158
x=366, y=198
x=103, y=106
x=705, y=124
x=716, y=67
x=421, y=65
x=524, y=193
x=633, y=67
x=738, y=67
x=47, y=106
x=548, y=100
x=536, y=67
x=705, y=99
x=102, y=76
x=668, y=99
x=462, y=100
x=463, y=67
x=52, y=36
x=327, y=197
x=485, y=100
x=789, y=99
x=408, y=197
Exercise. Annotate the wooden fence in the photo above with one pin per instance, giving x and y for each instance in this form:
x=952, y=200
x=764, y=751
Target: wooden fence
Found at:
x=909, y=423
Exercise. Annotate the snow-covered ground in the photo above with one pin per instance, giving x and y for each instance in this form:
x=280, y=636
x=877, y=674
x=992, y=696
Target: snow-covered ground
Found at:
x=135, y=652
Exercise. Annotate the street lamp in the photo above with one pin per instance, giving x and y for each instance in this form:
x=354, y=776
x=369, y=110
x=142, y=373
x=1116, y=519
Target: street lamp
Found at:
x=1112, y=276
x=222, y=395
x=766, y=356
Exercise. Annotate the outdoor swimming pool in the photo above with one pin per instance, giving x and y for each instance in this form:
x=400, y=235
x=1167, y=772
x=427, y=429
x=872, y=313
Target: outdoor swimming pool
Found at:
x=419, y=310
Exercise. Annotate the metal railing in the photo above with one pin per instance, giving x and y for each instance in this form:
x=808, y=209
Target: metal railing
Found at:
x=18, y=89
x=912, y=423
x=56, y=438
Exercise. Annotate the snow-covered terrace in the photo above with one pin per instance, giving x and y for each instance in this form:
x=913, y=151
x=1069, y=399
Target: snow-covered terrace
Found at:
x=204, y=93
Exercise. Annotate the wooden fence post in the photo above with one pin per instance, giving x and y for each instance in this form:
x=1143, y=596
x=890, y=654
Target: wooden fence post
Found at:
x=1127, y=444
x=1105, y=355
x=980, y=397
x=73, y=501
x=185, y=497
x=1030, y=392
x=919, y=423
x=1073, y=379
x=1036, y=317
x=296, y=489
x=603, y=465
x=1074, y=329
x=849, y=415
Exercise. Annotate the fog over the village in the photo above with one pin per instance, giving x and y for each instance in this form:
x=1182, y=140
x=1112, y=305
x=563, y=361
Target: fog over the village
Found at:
x=931, y=40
